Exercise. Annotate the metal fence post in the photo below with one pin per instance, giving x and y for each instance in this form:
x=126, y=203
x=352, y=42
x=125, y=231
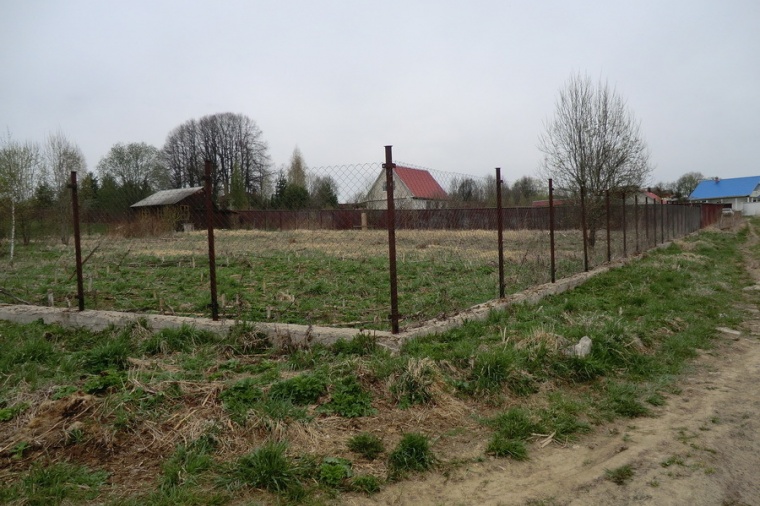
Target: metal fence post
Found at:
x=625, y=228
x=500, y=234
x=389, y=166
x=551, y=230
x=211, y=252
x=607, y=211
x=77, y=239
x=584, y=231
x=662, y=220
x=636, y=219
x=654, y=221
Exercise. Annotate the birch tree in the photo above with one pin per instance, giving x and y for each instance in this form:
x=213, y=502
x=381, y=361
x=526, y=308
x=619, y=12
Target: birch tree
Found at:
x=19, y=171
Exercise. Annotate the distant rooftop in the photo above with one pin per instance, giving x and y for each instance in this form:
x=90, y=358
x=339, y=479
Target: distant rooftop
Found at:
x=421, y=183
x=718, y=188
x=167, y=197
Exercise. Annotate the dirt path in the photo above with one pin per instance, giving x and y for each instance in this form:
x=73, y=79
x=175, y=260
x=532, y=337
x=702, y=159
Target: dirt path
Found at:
x=701, y=448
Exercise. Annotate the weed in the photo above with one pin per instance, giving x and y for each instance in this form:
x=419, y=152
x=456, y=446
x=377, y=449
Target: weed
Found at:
x=411, y=454
x=19, y=449
x=244, y=339
x=365, y=483
x=623, y=400
x=516, y=423
x=367, y=445
x=620, y=475
x=108, y=380
x=656, y=399
x=349, y=399
x=492, y=369
x=7, y=414
x=239, y=398
x=300, y=390
x=361, y=344
x=170, y=340
x=267, y=468
x=308, y=358
x=111, y=354
x=562, y=417
x=502, y=446
x=334, y=472
x=673, y=460
x=272, y=412
x=61, y=482
x=415, y=385
x=187, y=462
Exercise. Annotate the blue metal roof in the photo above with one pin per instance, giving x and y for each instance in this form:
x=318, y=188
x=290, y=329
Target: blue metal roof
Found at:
x=725, y=188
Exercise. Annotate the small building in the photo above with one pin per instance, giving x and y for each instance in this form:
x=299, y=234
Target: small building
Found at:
x=412, y=189
x=731, y=192
x=185, y=208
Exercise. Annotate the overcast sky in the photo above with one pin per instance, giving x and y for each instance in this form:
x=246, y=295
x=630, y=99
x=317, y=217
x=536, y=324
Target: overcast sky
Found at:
x=453, y=86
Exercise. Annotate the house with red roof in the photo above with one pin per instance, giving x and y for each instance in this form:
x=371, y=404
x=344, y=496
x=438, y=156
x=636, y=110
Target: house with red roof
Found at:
x=412, y=189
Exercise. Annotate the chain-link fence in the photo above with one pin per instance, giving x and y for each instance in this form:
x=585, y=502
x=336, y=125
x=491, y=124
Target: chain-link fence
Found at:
x=371, y=245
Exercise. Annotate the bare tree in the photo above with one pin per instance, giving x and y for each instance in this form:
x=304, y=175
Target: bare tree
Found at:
x=19, y=172
x=592, y=144
x=686, y=184
x=228, y=140
x=62, y=156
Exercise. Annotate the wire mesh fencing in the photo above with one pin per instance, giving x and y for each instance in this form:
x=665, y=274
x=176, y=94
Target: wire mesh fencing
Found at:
x=328, y=249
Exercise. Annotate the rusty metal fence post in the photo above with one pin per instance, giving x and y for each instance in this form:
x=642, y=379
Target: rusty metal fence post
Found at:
x=584, y=232
x=211, y=251
x=391, y=219
x=654, y=221
x=625, y=227
x=636, y=219
x=607, y=212
x=551, y=230
x=77, y=238
x=500, y=233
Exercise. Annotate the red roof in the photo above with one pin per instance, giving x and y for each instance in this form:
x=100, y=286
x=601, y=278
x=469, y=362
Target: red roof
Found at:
x=652, y=196
x=421, y=183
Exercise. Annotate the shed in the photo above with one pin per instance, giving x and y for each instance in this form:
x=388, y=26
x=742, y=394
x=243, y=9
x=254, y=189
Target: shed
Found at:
x=184, y=207
x=412, y=189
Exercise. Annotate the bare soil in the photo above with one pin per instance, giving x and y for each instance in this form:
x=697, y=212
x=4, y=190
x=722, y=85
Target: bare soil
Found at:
x=701, y=448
